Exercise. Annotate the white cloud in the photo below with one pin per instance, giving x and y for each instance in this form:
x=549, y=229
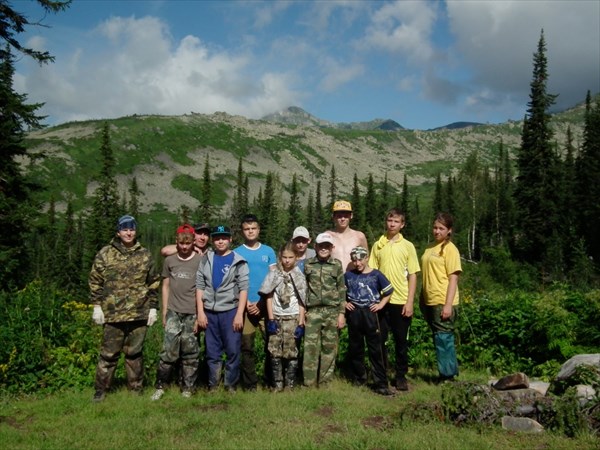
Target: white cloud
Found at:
x=144, y=71
x=402, y=27
x=268, y=11
x=337, y=74
x=497, y=40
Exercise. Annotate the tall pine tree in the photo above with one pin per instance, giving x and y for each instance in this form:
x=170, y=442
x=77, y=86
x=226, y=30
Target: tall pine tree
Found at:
x=536, y=191
x=105, y=203
x=588, y=176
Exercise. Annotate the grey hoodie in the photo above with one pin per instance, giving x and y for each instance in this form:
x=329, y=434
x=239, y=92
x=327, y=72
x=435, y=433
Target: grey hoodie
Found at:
x=226, y=297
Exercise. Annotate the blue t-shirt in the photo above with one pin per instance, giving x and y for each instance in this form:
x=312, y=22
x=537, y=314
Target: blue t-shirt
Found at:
x=366, y=289
x=221, y=265
x=259, y=260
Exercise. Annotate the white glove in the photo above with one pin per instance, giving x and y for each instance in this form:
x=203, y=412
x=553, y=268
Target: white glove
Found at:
x=98, y=315
x=152, y=316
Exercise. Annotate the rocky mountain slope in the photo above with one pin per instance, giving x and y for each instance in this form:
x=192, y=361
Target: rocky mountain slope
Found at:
x=167, y=154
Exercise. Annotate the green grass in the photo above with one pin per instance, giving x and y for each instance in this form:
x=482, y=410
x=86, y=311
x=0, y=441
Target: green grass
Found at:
x=336, y=416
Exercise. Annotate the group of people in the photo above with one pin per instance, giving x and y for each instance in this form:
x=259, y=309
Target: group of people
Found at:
x=299, y=294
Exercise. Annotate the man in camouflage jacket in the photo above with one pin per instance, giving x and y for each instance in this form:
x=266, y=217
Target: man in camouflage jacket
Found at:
x=124, y=291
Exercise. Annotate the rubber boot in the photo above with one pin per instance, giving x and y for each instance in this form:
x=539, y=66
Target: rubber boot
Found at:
x=277, y=371
x=446, y=355
x=291, y=374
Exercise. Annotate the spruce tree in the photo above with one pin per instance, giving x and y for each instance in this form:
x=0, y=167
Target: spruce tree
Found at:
x=588, y=176
x=536, y=192
x=320, y=220
x=105, y=202
x=358, y=211
x=14, y=23
x=438, y=205
x=134, y=198
x=16, y=202
x=333, y=190
x=204, y=212
x=294, y=208
x=372, y=222
x=403, y=204
x=310, y=213
x=240, y=196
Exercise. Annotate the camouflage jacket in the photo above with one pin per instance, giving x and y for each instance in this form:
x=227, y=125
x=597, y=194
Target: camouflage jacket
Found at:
x=326, y=286
x=124, y=282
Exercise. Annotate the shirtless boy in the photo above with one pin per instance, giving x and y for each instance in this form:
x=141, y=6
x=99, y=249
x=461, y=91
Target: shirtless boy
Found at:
x=344, y=237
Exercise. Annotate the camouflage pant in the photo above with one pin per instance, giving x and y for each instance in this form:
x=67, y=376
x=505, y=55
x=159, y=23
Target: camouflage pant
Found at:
x=320, y=344
x=179, y=342
x=283, y=344
x=126, y=337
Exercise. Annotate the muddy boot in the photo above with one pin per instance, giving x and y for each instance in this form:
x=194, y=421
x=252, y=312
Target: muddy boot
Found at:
x=291, y=374
x=277, y=371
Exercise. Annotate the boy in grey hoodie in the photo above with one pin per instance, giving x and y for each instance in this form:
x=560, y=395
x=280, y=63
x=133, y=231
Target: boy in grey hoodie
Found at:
x=221, y=295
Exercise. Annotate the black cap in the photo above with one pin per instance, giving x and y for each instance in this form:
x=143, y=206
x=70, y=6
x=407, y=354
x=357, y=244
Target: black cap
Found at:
x=198, y=227
x=220, y=230
x=249, y=218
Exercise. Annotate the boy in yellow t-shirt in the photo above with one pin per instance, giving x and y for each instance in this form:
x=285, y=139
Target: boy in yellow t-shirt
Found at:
x=397, y=259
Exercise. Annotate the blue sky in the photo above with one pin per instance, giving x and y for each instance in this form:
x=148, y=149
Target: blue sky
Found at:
x=421, y=63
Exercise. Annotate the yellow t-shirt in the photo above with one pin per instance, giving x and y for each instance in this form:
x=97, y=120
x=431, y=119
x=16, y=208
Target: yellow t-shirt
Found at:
x=396, y=260
x=436, y=269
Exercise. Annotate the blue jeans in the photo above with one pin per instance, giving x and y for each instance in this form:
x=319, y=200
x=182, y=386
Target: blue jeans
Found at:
x=220, y=338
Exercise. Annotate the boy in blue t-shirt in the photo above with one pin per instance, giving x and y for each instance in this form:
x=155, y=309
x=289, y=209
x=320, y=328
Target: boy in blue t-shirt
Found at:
x=368, y=291
x=261, y=258
x=221, y=292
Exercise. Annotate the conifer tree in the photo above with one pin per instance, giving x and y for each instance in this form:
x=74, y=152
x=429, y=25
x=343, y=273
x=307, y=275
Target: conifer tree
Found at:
x=134, y=198
x=568, y=210
x=372, y=222
x=536, y=192
x=240, y=196
x=404, y=196
x=294, y=208
x=358, y=213
x=105, y=203
x=14, y=23
x=268, y=213
x=438, y=204
x=333, y=190
x=69, y=254
x=205, y=209
x=320, y=221
x=448, y=196
x=16, y=202
x=310, y=213
x=588, y=176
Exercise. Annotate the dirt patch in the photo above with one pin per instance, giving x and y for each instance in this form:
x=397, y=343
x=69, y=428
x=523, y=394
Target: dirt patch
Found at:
x=377, y=422
x=215, y=407
x=325, y=411
x=13, y=422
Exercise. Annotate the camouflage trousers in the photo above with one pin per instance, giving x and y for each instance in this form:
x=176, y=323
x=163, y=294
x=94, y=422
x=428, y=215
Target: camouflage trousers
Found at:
x=179, y=342
x=126, y=337
x=283, y=344
x=320, y=344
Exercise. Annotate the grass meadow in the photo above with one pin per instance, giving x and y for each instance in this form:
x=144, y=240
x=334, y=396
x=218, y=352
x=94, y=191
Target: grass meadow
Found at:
x=335, y=416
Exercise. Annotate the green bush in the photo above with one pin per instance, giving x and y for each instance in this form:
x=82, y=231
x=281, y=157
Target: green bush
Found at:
x=47, y=340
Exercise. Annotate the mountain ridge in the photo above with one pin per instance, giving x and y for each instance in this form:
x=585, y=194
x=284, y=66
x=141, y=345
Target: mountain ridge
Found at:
x=166, y=154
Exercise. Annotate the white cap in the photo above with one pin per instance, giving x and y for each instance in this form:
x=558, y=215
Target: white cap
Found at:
x=300, y=232
x=324, y=237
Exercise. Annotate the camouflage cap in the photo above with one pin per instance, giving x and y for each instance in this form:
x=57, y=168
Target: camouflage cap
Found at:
x=358, y=253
